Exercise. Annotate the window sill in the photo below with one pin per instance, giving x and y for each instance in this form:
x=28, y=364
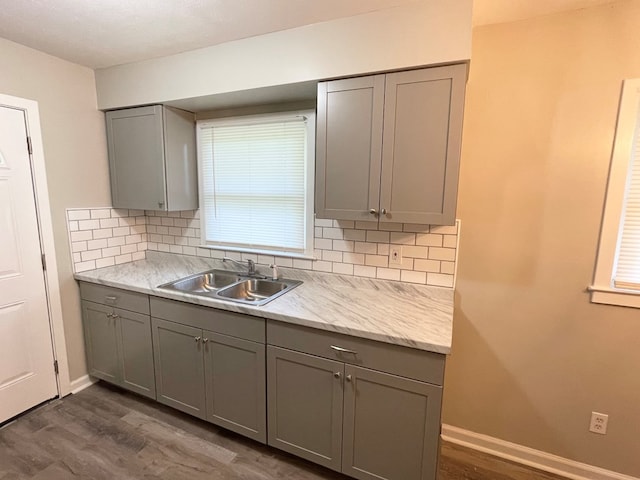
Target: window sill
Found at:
x=254, y=251
x=609, y=296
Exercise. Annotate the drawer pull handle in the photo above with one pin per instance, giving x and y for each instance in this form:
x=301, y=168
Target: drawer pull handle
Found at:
x=348, y=378
x=337, y=375
x=110, y=299
x=343, y=350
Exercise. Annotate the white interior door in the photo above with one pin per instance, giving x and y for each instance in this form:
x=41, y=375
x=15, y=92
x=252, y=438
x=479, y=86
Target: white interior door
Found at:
x=27, y=376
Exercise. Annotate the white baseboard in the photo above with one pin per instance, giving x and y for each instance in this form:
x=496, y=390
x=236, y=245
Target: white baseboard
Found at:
x=528, y=456
x=81, y=383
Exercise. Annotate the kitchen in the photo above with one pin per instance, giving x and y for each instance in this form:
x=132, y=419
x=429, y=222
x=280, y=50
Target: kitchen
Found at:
x=530, y=357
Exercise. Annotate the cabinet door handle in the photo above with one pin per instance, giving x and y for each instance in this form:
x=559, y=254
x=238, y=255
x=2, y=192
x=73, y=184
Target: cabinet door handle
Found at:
x=343, y=350
x=160, y=205
x=337, y=375
x=205, y=340
x=373, y=211
x=115, y=315
x=197, y=339
x=383, y=211
x=109, y=315
x=348, y=377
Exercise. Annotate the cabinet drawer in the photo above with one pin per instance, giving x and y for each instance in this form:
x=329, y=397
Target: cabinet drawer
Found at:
x=132, y=301
x=208, y=318
x=403, y=361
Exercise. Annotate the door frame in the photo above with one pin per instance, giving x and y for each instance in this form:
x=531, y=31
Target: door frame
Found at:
x=47, y=244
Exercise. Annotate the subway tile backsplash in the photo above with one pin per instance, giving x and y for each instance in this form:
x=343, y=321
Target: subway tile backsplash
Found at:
x=105, y=236
x=101, y=237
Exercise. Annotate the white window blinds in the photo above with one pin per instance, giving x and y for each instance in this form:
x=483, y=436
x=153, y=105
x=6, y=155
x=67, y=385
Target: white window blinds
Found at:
x=255, y=188
x=627, y=267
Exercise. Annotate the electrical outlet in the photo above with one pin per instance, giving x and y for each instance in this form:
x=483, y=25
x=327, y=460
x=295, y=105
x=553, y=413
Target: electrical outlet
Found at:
x=395, y=255
x=599, y=423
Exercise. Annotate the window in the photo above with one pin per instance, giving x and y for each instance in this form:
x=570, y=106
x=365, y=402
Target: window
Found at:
x=617, y=275
x=256, y=183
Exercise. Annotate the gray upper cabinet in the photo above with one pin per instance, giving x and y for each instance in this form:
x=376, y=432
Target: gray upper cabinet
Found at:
x=152, y=158
x=349, y=147
x=388, y=146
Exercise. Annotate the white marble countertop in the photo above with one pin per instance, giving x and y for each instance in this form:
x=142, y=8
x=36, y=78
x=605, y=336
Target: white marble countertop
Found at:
x=416, y=316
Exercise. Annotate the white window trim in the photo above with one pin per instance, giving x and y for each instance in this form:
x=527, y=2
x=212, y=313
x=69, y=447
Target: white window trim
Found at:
x=602, y=290
x=309, y=181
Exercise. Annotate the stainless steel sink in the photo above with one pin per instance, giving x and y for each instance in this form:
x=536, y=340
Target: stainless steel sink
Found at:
x=203, y=282
x=232, y=286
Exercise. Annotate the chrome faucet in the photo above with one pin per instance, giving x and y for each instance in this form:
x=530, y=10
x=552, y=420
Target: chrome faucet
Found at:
x=250, y=266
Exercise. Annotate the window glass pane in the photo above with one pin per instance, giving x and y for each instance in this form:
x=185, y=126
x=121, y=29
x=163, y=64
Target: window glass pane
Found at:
x=254, y=191
x=627, y=269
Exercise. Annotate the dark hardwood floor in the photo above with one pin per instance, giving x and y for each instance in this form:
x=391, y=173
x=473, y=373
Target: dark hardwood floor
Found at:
x=106, y=433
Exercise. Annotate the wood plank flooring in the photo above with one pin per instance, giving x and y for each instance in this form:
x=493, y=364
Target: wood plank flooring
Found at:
x=106, y=433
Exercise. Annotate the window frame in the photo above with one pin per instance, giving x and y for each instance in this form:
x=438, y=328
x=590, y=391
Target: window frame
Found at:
x=310, y=116
x=602, y=289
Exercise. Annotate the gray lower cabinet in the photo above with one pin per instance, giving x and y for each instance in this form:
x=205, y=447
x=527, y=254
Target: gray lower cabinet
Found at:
x=388, y=146
x=235, y=384
x=214, y=376
x=391, y=426
x=363, y=422
x=305, y=405
x=179, y=366
x=118, y=347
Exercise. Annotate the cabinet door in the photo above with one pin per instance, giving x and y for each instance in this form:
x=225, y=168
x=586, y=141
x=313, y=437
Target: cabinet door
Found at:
x=136, y=158
x=391, y=426
x=235, y=384
x=136, y=354
x=348, y=147
x=101, y=341
x=305, y=405
x=179, y=369
x=421, y=146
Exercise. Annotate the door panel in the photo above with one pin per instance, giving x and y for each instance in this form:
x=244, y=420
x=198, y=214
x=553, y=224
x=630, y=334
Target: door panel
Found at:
x=305, y=405
x=101, y=341
x=349, y=146
x=179, y=366
x=421, y=145
x=134, y=331
x=391, y=426
x=136, y=150
x=27, y=376
x=235, y=381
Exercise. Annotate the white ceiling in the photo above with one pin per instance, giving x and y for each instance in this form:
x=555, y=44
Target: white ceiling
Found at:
x=102, y=33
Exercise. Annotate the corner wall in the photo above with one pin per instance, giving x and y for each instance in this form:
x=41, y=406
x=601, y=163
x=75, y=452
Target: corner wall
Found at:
x=531, y=356
x=75, y=155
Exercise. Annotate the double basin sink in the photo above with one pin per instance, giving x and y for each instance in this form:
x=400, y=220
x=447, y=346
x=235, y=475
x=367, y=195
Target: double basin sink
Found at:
x=232, y=286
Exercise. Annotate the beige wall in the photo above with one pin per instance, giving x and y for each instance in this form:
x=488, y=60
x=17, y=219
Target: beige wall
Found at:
x=531, y=356
x=421, y=33
x=75, y=156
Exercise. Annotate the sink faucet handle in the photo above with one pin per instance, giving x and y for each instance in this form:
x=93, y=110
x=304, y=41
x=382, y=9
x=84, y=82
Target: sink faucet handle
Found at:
x=252, y=266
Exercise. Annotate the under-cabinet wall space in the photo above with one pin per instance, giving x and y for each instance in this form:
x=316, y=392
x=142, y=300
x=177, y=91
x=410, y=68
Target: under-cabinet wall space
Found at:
x=101, y=237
